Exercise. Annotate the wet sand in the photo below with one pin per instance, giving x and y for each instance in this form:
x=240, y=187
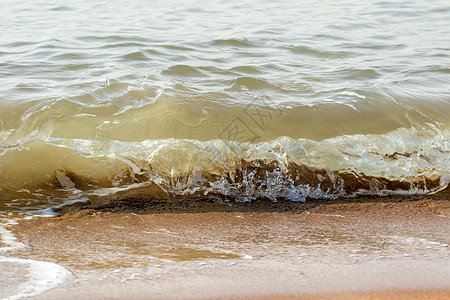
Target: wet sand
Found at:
x=365, y=248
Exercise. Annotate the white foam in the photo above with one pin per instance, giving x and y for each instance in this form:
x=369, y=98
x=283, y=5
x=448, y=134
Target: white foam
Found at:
x=46, y=212
x=42, y=276
x=8, y=240
x=347, y=93
x=114, y=190
x=50, y=212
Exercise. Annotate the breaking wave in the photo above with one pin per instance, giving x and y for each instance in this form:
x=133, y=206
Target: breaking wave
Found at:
x=45, y=171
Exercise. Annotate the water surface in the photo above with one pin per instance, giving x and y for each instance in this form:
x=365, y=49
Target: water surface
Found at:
x=227, y=99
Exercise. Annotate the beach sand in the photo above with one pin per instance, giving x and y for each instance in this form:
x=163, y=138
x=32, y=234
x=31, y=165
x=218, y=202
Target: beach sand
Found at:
x=365, y=248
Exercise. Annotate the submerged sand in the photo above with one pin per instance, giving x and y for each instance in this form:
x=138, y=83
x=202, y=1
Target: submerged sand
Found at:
x=366, y=248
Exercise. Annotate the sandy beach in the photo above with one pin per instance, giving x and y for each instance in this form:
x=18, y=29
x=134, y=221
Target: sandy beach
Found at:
x=365, y=248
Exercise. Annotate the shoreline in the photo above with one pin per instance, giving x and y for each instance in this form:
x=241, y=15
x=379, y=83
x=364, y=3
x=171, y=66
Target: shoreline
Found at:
x=146, y=205
x=365, y=248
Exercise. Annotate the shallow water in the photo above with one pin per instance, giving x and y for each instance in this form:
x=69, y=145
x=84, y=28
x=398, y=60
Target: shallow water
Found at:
x=327, y=248
x=222, y=99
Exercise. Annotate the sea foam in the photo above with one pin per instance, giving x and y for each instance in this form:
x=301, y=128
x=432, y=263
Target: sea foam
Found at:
x=25, y=277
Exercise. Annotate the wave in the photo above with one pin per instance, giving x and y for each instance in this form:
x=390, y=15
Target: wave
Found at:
x=166, y=109
x=403, y=161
